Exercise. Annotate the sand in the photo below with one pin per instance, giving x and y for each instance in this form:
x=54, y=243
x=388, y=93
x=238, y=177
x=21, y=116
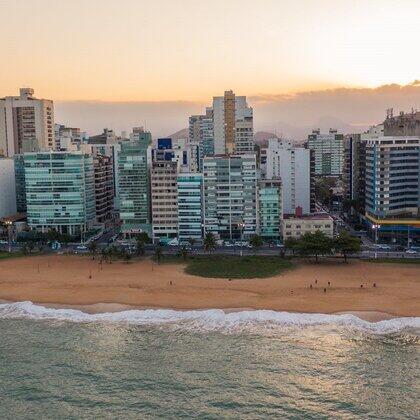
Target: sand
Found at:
x=63, y=281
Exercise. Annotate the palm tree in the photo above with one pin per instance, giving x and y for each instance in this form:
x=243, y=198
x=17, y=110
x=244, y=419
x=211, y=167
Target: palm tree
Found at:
x=191, y=241
x=209, y=242
x=158, y=253
x=140, y=246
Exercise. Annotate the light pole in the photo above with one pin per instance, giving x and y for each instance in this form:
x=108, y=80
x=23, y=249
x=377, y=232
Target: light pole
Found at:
x=9, y=233
x=241, y=226
x=375, y=228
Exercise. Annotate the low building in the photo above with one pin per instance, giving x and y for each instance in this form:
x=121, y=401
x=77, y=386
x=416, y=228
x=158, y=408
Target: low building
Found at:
x=297, y=225
x=270, y=208
x=190, y=211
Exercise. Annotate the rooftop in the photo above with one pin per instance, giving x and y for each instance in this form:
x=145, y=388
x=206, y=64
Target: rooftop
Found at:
x=314, y=216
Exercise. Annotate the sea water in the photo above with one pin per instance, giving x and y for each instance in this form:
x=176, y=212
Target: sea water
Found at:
x=62, y=364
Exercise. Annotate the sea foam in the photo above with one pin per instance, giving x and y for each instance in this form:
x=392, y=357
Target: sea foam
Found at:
x=210, y=319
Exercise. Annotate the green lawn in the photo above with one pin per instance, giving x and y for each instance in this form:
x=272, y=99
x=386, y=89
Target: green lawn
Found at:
x=395, y=260
x=6, y=255
x=236, y=267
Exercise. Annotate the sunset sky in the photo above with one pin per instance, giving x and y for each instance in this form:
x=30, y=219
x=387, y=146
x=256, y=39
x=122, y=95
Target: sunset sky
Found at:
x=189, y=50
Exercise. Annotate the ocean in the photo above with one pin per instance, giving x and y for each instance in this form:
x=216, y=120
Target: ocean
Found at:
x=145, y=364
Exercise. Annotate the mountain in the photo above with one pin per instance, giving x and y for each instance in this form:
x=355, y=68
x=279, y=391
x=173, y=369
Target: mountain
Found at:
x=181, y=134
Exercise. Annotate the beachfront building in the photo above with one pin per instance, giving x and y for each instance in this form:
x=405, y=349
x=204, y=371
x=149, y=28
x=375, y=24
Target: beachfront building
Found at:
x=230, y=196
x=26, y=124
x=294, y=226
x=133, y=186
x=20, y=183
x=328, y=152
x=103, y=167
x=393, y=187
x=60, y=192
x=270, y=211
x=190, y=211
x=7, y=188
x=164, y=193
x=200, y=132
x=293, y=166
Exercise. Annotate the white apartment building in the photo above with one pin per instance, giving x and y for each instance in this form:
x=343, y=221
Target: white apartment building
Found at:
x=164, y=193
x=293, y=166
x=233, y=125
x=26, y=124
x=296, y=226
x=7, y=187
x=328, y=152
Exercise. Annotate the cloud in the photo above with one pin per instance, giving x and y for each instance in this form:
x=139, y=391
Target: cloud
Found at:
x=348, y=109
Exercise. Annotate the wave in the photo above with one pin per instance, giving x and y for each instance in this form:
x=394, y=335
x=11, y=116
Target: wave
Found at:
x=210, y=319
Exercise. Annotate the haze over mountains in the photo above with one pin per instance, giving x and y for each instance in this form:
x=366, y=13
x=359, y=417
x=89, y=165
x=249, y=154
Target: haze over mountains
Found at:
x=294, y=116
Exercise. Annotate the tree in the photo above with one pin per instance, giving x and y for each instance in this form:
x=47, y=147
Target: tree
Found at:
x=191, y=241
x=140, y=246
x=93, y=247
x=209, y=241
x=143, y=237
x=126, y=256
x=347, y=244
x=183, y=252
x=158, y=253
x=291, y=244
x=30, y=246
x=256, y=241
x=323, y=189
x=105, y=253
x=315, y=244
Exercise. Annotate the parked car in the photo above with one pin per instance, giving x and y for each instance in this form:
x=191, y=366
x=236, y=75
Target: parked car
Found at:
x=411, y=251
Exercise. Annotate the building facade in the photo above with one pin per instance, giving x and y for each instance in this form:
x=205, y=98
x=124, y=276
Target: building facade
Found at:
x=26, y=124
x=190, y=209
x=103, y=167
x=230, y=196
x=164, y=193
x=133, y=187
x=297, y=226
x=7, y=188
x=270, y=211
x=60, y=192
x=328, y=152
x=293, y=166
x=20, y=183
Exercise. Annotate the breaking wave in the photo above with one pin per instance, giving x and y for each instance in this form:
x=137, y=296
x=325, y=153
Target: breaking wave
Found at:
x=210, y=319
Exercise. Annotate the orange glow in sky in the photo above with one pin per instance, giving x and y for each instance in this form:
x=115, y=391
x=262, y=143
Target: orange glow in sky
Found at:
x=143, y=50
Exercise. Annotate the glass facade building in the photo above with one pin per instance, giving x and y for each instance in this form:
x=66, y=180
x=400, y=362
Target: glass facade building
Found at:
x=60, y=191
x=270, y=208
x=133, y=186
x=190, y=206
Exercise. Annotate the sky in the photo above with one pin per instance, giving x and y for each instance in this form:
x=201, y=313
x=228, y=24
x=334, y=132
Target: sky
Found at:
x=163, y=56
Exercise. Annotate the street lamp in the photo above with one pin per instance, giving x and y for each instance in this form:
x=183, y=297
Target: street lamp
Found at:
x=9, y=223
x=241, y=226
x=375, y=228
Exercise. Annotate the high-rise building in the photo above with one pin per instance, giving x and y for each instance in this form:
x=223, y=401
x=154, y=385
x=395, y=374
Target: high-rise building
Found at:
x=354, y=169
x=7, y=188
x=201, y=132
x=20, y=183
x=232, y=125
x=328, y=152
x=164, y=192
x=393, y=185
x=190, y=211
x=230, y=195
x=293, y=166
x=270, y=211
x=405, y=124
x=133, y=186
x=60, y=192
x=103, y=167
x=107, y=136
x=26, y=124
x=68, y=138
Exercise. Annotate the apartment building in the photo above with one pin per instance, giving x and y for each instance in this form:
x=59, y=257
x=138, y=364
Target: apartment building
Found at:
x=7, y=187
x=328, y=152
x=60, y=191
x=164, y=198
x=103, y=167
x=230, y=195
x=270, y=212
x=294, y=226
x=190, y=206
x=26, y=124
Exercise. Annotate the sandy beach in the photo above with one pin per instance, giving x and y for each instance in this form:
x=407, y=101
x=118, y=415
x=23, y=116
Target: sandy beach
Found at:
x=80, y=282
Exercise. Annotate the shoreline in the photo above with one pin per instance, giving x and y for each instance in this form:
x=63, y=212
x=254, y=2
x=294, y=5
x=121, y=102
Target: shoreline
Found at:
x=102, y=308
x=75, y=282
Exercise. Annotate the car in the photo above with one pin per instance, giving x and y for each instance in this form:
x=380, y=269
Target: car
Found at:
x=411, y=251
x=227, y=243
x=2, y=242
x=81, y=247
